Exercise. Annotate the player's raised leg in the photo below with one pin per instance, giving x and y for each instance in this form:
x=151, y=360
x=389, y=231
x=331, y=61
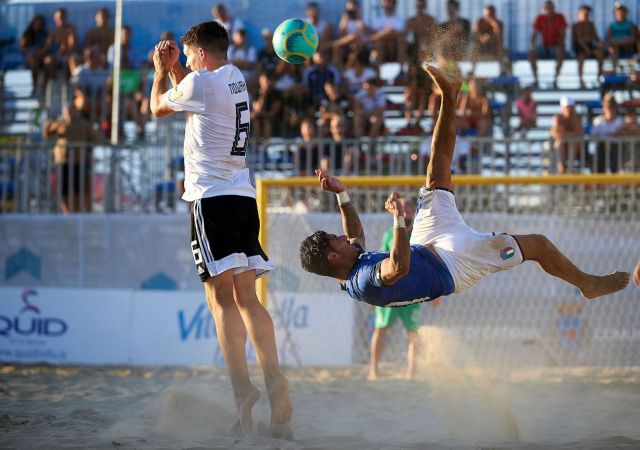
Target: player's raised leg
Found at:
x=232, y=336
x=262, y=335
x=539, y=248
x=444, y=133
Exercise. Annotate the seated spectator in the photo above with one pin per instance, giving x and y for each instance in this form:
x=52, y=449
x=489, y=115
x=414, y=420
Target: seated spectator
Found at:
x=455, y=33
x=307, y=154
x=489, y=38
x=622, y=36
x=422, y=29
x=416, y=96
x=358, y=70
x=74, y=133
x=336, y=104
x=352, y=33
x=265, y=109
x=243, y=56
x=368, y=110
x=316, y=75
x=552, y=27
x=585, y=41
x=126, y=58
x=475, y=110
x=567, y=126
x=526, y=106
x=606, y=126
x=295, y=96
x=323, y=28
x=337, y=154
x=91, y=77
x=102, y=35
x=59, y=47
x=32, y=44
x=267, y=58
x=389, y=38
x=221, y=15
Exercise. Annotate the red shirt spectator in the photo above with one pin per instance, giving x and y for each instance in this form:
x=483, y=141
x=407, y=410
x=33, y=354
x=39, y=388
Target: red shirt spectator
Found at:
x=551, y=27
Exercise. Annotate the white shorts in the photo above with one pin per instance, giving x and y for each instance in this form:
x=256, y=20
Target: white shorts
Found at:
x=468, y=255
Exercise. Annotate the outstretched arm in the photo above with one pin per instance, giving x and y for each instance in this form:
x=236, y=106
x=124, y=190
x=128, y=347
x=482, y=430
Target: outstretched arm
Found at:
x=397, y=264
x=350, y=221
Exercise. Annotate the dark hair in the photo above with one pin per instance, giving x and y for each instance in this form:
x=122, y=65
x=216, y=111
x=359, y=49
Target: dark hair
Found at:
x=585, y=7
x=313, y=254
x=31, y=35
x=62, y=11
x=104, y=12
x=210, y=36
x=454, y=3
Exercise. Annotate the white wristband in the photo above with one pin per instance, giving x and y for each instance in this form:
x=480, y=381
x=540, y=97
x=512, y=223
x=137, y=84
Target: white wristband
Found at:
x=398, y=222
x=343, y=197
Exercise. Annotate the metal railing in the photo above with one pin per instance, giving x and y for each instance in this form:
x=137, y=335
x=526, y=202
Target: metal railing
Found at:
x=148, y=178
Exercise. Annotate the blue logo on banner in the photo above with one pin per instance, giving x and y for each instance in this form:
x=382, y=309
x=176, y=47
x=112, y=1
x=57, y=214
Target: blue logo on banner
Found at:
x=160, y=281
x=29, y=322
x=22, y=260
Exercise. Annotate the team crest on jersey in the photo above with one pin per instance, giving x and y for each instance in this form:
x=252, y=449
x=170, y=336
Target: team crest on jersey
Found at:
x=507, y=253
x=175, y=94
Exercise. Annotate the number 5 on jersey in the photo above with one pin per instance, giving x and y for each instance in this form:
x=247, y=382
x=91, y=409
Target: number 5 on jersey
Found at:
x=242, y=130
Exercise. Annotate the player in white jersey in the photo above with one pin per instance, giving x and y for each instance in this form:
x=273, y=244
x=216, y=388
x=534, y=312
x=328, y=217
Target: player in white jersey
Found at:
x=224, y=216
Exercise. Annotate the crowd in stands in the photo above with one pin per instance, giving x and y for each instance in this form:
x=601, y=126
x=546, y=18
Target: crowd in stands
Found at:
x=338, y=94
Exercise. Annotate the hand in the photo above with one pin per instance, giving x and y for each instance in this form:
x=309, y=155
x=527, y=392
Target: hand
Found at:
x=394, y=204
x=636, y=275
x=329, y=183
x=162, y=57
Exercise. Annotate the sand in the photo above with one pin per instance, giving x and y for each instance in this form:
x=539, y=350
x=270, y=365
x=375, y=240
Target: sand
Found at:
x=450, y=405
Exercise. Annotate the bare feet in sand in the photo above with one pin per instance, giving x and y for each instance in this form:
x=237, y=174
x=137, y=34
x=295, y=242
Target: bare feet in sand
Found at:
x=281, y=408
x=595, y=286
x=448, y=85
x=373, y=376
x=244, y=405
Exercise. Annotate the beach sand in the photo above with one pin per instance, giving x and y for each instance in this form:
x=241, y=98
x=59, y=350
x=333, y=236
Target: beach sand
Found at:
x=448, y=406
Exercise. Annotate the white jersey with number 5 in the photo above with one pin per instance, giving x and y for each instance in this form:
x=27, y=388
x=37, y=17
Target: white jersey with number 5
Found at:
x=216, y=136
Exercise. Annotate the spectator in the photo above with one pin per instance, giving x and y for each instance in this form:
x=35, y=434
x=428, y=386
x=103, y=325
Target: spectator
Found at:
x=351, y=33
x=475, y=110
x=336, y=104
x=567, y=126
x=422, y=29
x=585, y=41
x=74, y=133
x=308, y=152
x=489, y=38
x=416, y=96
x=526, y=106
x=91, y=77
x=60, y=46
x=316, y=75
x=358, y=70
x=32, y=44
x=606, y=127
x=294, y=94
x=337, y=155
x=368, y=110
x=622, y=36
x=388, y=38
x=126, y=58
x=231, y=24
x=455, y=34
x=552, y=27
x=265, y=109
x=386, y=317
x=243, y=56
x=267, y=58
x=322, y=27
x=102, y=35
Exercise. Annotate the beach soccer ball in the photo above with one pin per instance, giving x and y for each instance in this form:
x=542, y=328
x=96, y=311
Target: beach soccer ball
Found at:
x=295, y=41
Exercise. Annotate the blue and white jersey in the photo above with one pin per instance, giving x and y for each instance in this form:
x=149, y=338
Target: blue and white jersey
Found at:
x=428, y=279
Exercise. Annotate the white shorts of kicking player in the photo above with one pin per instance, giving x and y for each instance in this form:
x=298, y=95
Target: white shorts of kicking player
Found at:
x=468, y=254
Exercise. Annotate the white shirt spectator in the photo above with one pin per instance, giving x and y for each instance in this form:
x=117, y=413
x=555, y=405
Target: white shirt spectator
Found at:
x=354, y=82
x=232, y=25
x=602, y=128
x=382, y=22
x=371, y=103
x=246, y=54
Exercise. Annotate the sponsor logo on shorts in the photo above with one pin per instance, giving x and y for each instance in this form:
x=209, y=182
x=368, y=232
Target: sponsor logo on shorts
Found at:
x=507, y=253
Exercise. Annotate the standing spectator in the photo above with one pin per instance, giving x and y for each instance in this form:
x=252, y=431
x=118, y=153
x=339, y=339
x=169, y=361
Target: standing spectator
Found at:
x=368, y=110
x=388, y=38
x=386, y=317
x=358, y=70
x=91, y=77
x=585, y=41
x=221, y=15
x=552, y=27
x=265, y=110
x=622, y=36
x=102, y=35
x=322, y=27
x=422, y=28
x=32, y=44
x=74, y=133
x=352, y=33
x=455, y=34
x=308, y=152
x=60, y=46
x=567, y=126
x=337, y=155
x=606, y=126
x=475, y=110
x=126, y=58
x=489, y=39
x=416, y=97
x=243, y=56
x=267, y=58
x=316, y=75
x=526, y=106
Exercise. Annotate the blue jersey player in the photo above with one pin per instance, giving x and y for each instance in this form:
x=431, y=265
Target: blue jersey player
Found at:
x=444, y=255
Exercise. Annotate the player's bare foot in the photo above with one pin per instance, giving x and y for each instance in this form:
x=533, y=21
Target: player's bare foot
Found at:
x=372, y=376
x=597, y=286
x=244, y=405
x=281, y=408
x=448, y=85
